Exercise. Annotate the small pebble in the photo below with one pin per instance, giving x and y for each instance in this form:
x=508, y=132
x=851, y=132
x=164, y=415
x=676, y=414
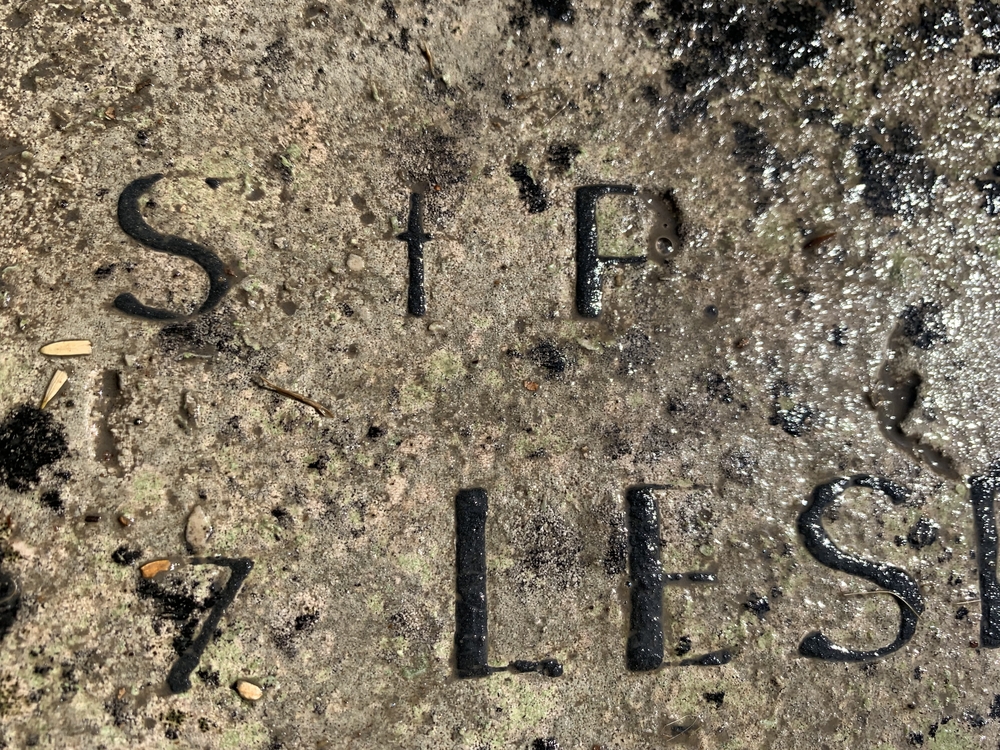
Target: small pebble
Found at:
x=531, y=385
x=125, y=521
x=199, y=529
x=355, y=263
x=249, y=691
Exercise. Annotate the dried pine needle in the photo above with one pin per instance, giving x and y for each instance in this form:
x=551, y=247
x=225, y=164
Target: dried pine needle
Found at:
x=695, y=723
x=55, y=385
x=71, y=348
x=323, y=411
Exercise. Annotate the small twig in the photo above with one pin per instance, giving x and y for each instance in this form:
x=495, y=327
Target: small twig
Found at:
x=323, y=411
x=971, y=601
x=883, y=591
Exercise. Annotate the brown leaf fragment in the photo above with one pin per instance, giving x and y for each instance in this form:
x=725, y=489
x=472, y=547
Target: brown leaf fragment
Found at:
x=156, y=567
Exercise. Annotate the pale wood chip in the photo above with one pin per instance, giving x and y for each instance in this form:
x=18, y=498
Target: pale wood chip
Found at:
x=55, y=385
x=151, y=569
x=71, y=348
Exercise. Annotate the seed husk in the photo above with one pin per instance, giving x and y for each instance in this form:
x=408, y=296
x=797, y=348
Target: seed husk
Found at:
x=70, y=348
x=55, y=385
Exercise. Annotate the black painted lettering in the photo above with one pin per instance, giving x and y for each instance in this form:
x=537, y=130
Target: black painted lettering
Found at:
x=589, y=263
x=414, y=237
x=471, y=610
x=179, y=677
x=889, y=577
x=132, y=223
x=471, y=614
x=983, y=490
x=644, y=650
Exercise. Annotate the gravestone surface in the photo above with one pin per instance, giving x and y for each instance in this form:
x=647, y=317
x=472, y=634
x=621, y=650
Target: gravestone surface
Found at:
x=535, y=374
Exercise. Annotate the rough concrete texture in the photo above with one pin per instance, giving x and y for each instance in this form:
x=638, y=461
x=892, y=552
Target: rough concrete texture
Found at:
x=818, y=197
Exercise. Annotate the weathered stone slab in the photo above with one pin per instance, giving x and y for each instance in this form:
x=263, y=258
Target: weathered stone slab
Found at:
x=369, y=403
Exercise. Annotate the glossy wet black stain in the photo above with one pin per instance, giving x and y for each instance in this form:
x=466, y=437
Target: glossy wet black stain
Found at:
x=938, y=27
x=589, y=263
x=30, y=439
x=883, y=575
x=794, y=37
x=206, y=334
x=179, y=677
x=710, y=49
x=644, y=648
x=985, y=18
x=547, y=667
x=124, y=555
x=531, y=192
x=132, y=223
x=10, y=603
x=923, y=324
x=555, y=10
x=983, y=491
x=53, y=502
x=550, y=357
x=923, y=534
x=759, y=605
x=796, y=419
x=562, y=155
x=897, y=179
x=415, y=237
x=712, y=659
x=471, y=613
x=181, y=607
x=715, y=699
